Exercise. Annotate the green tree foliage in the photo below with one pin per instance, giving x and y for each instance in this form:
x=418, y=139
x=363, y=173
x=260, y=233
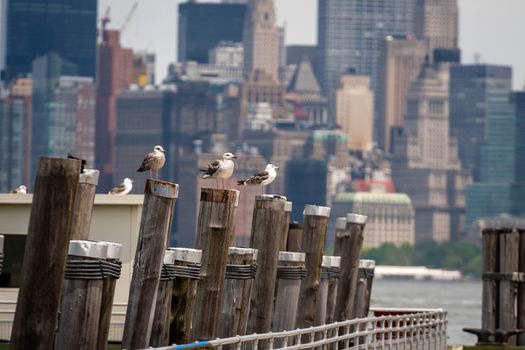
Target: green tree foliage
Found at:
x=461, y=255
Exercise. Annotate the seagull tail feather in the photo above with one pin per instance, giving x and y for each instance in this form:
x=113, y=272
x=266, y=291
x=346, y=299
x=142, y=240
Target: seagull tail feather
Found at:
x=241, y=182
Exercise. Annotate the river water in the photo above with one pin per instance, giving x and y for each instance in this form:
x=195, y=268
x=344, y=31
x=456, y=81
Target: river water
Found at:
x=462, y=300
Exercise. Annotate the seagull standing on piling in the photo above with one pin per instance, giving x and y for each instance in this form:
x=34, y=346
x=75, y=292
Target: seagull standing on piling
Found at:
x=122, y=189
x=153, y=161
x=220, y=168
x=262, y=178
x=19, y=190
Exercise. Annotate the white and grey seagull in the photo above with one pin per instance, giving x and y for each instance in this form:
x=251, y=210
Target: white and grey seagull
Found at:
x=153, y=161
x=19, y=190
x=122, y=189
x=220, y=168
x=262, y=178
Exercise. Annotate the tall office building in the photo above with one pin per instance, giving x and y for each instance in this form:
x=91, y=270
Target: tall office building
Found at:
x=437, y=24
x=425, y=164
x=518, y=188
x=492, y=195
x=63, y=111
x=35, y=28
x=3, y=20
x=470, y=86
x=350, y=33
x=400, y=64
x=355, y=110
x=203, y=25
x=15, y=135
x=261, y=39
x=115, y=71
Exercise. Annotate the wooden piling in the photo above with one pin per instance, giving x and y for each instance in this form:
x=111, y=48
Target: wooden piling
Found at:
x=87, y=186
x=509, y=243
x=214, y=235
x=365, y=278
x=295, y=237
x=45, y=254
x=268, y=217
x=286, y=226
x=323, y=301
x=314, y=233
x=348, y=244
x=160, y=330
x=187, y=273
x=237, y=292
x=81, y=296
x=521, y=290
x=489, y=311
x=108, y=292
x=335, y=273
x=290, y=271
x=154, y=229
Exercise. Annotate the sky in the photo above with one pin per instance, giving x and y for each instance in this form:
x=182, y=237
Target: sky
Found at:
x=490, y=31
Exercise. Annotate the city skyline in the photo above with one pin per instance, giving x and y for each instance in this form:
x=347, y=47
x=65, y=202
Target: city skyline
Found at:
x=494, y=44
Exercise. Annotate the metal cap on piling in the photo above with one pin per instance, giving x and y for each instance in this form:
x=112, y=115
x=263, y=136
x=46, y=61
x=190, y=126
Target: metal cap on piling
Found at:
x=288, y=207
x=316, y=210
x=114, y=250
x=89, y=249
x=340, y=223
x=356, y=218
x=187, y=254
x=292, y=256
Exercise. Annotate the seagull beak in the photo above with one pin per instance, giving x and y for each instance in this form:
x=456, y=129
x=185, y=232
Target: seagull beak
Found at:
x=235, y=157
x=276, y=168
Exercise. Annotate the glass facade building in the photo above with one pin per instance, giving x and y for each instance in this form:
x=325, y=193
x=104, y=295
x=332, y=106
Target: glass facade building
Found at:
x=37, y=27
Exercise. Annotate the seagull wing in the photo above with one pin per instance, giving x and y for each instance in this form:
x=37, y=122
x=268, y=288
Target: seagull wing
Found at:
x=258, y=178
x=213, y=167
x=148, y=162
x=118, y=189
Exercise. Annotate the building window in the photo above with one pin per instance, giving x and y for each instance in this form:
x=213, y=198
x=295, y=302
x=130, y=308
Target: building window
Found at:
x=435, y=106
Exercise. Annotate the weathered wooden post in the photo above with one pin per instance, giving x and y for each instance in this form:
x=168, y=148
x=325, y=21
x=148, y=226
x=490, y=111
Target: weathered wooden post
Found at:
x=45, y=254
x=333, y=277
x=290, y=271
x=286, y=226
x=489, y=312
x=509, y=244
x=160, y=331
x=295, y=237
x=237, y=292
x=215, y=233
x=348, y=244
x=81, y=296
x=365, y=278
x=113, y=265
x=521, y=290
x=329, y=271
x=87, y=186
x=187, y=274
x=314, y=233
x=267, y=222
x=154, y=229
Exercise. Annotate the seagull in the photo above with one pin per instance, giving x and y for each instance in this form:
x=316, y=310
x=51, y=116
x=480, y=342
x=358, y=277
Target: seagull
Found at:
x=262, y=178
x=153, y=161
x=122, y=189
x=19, y=190
x=220, y=168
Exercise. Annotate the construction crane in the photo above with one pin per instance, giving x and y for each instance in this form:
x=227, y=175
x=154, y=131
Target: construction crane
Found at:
x=129, y=16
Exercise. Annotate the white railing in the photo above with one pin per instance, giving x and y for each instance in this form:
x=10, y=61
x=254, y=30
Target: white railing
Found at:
x=420, y=330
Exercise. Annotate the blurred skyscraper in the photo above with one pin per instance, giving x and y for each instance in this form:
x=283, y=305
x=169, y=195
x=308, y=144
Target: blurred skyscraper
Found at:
x=470, y=88
x=35, y=28
x=203, y=25
x=518, y=190
x=350, y=33
x=3, y=27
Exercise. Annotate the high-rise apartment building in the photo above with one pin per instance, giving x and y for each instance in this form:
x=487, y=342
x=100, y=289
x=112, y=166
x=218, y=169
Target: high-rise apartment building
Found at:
x=355, y=110
x=63, y=111
x=203, y=25
x=470, y=86
x=425, y=164
x=261, y=39
x=437, y=24
x=350, y=33
x=401, y=59
x=115, y=72
x=38, y=27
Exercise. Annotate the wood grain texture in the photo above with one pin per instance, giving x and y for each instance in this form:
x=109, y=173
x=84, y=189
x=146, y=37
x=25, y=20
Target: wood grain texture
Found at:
x=331, y=299
x=490, y=292
x=87, y=186
x=182, y=302
x=268, y=217
x=45, y=254
x=322, y=302
x=160, y=331
x=284, y=231
x=79, y=313
x=295, y=237
x=286, y=300
x=106, y=305
x=314, y=233
x=348, y=246
x=215, y=233
x=154, y=228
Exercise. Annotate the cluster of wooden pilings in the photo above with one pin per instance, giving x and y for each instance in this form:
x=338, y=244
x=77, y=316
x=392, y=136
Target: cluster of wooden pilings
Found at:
x=503, y=297
x=180, y=295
